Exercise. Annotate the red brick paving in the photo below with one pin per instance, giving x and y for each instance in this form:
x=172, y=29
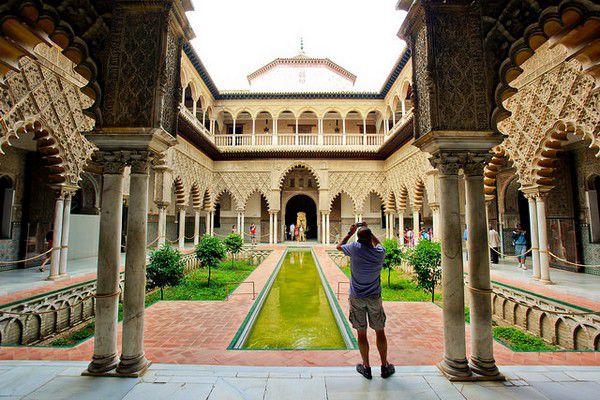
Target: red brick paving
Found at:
x=198, y=332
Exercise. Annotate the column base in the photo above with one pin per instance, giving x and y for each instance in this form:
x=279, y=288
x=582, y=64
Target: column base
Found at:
x=56, y=277
x=486, y=368
x=545, y=281
x=455, y=370
x=133, y=367
x=101, y=365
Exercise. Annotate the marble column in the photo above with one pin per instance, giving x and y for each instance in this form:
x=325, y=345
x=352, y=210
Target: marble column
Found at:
x=416, y=225
x=323, y=228
x=535, y=242
x=392, y=225
x=242, y=231
x=327, y=230
x=207, y=223
x=435, y=215
x=181, y=229
x=275, y=227
x=401, y=227
x=105, y=356
x=270, y=228
x=133, y=359
x=387, y=225
x=482, y=343
x=454, y=363
x=64, y=241
x=212, y=223
x=237, y=225
x=543, y=239
x=196, y=227
x=162, y=224
x=59, y=207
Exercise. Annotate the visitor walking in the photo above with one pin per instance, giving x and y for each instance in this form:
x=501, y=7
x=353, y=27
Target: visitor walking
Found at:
x=494, y=243
x=520, y=242
x=253, y=234
x=366, y=261
x=411, y=237
x=430, y=233
x=424, y=234
x=292, y=230
x=49, y=244
x=301, y=236
x=233, y=229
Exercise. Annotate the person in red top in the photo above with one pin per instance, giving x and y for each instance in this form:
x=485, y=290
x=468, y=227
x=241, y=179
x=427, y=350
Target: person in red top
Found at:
x=253, y=233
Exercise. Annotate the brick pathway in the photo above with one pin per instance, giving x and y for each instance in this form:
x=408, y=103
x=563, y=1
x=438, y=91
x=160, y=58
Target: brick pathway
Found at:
x=198, y=332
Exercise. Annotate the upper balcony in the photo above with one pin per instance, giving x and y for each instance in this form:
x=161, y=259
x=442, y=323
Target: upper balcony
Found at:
x=279, y=130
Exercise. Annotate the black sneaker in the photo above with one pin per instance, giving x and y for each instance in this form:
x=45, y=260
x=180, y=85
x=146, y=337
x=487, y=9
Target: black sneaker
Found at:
x=387, y=370
x=364, y=371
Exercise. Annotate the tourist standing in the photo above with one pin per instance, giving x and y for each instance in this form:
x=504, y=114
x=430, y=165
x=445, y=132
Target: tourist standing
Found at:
x=520, y=242
x=494, y=243
x=292, y=230
x=366, y=261
x=411, y=237
x=49, y=243
x=301, y=236
x=253, y=233
x=233, y=229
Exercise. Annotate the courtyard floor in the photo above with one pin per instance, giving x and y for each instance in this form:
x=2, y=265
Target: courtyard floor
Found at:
x=198, y=332
x=62, y=380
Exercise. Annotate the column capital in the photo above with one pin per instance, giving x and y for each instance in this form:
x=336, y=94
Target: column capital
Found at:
x=162, y=204
x=112, y=162
x=140, y=161
x=474, y=163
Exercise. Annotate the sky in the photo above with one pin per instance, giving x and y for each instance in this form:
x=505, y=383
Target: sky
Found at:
x=236, y=37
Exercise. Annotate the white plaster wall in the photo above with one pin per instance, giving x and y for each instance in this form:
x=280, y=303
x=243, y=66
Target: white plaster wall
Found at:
x=84, y=232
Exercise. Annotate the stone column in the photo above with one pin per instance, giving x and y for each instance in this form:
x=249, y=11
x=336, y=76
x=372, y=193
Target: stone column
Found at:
x=323, y=229
x=162, y=224
x=59, y=207
x=482, y=343
x=105, y=356
x=196, y=227
x=535, y=243
x=212, y=223
x=543, y=239
x=270, y=227
x=64, y=242
x=435, y=215
x=275, y=227
x=416, y=225
x=181, y=236
x=454, y=363
x=207, y=223
x=242, y=231
x=133, y=360
x=401, y=226
x=327, y=231
x=392, y=225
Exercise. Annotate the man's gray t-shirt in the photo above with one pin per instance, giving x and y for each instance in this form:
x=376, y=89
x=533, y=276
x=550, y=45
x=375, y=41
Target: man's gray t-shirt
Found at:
x=365, y=264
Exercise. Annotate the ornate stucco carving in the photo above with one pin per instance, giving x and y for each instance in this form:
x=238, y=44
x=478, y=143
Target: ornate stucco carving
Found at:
x=553, y=101
x=39, y=101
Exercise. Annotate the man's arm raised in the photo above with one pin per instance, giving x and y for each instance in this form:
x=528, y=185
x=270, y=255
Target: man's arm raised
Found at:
x=347, y=237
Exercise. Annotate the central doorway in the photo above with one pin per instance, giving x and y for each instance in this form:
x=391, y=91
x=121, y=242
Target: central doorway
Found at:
x=302, y=203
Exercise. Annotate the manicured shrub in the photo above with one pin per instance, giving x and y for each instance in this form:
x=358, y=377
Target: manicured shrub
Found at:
x=210, y=251
x=165, y=268
x=426, y=260
x=233, y=243
x=393, y=256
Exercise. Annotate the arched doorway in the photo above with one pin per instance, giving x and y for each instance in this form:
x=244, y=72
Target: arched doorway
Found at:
x=302, y=203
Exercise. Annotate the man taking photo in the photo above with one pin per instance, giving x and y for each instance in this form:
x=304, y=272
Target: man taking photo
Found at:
x=366, y=261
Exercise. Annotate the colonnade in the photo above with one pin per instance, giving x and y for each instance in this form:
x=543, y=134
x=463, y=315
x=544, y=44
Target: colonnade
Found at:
x=60, y=234
x=540, y=257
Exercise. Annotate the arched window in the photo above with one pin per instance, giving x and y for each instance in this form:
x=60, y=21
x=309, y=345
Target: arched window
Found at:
x=7, y=198
x=593, y=203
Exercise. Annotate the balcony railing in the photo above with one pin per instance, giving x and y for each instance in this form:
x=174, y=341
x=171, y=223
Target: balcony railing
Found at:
x=372, y=140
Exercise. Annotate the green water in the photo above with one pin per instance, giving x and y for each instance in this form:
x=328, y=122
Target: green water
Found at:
x=296, y=313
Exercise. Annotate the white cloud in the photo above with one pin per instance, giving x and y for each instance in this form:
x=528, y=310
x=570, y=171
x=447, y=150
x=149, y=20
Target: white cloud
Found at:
x=235, y=37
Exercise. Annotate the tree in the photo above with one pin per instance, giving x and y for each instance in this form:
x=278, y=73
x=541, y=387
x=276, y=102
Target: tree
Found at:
x=210, y=251
x=426, y=260
x=165, y=268
x=393, y=256
x=233, y=243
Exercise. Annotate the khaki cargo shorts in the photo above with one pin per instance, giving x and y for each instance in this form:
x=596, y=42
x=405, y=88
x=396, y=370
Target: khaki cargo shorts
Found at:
x=372, y=307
